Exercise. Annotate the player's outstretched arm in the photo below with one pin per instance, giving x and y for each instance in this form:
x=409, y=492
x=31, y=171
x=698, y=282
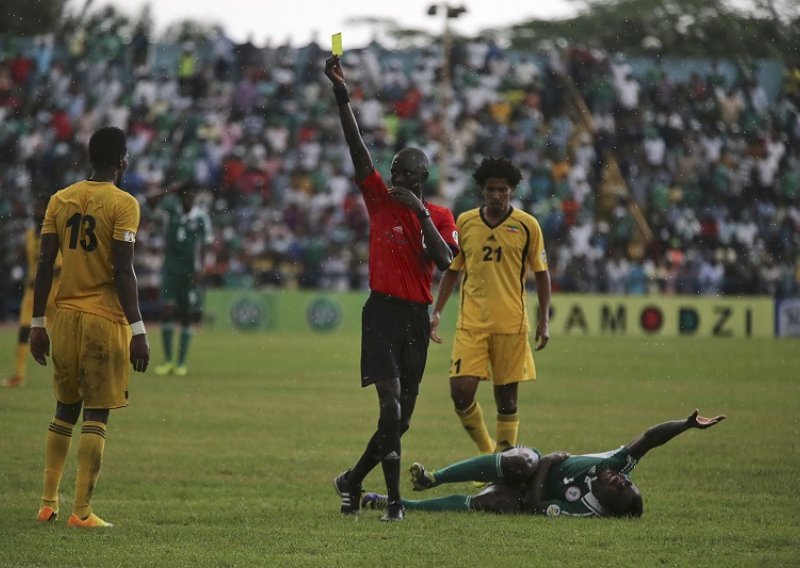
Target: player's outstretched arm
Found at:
x=362, y=161
x=40, y=341
x=127, y=292
x=660, y=434
x=446, y=286
x=154, y=198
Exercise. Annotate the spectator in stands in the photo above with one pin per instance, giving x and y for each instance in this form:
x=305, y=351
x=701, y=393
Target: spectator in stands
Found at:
x=693, y=152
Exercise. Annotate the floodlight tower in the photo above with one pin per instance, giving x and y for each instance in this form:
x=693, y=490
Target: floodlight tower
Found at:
x=445, y=87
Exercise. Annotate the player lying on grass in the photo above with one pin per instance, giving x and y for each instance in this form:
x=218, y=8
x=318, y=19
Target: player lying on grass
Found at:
x=522, y=481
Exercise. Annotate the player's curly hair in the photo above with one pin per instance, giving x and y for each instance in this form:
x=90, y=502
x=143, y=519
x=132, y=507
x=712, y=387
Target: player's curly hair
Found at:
x=494, y=167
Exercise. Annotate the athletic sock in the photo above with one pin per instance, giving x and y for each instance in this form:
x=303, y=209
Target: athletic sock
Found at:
x=449, y=503
x=183, y=347
x=389, y=438
x=479, y=468
x=59, y=436
x=21, y=360
x=166, y=340
x=90, y=458
x=368, y=460
x=507, y=429
x=472, y=420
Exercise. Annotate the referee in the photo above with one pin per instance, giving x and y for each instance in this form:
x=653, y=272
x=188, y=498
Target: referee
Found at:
x=408, y=236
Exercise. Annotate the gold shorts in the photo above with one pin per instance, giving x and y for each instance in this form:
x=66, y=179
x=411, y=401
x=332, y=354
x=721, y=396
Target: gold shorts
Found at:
x=26, y=306
x=504, y=358
x=90, y=359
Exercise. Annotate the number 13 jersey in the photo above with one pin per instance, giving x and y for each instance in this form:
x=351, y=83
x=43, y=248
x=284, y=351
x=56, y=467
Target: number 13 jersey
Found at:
x=494, y=261
x=85, y=217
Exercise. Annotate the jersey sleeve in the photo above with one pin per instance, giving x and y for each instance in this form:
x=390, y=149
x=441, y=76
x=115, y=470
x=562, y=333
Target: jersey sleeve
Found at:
x=168, y=209
x=537, y=258
x=446, y=226
x=169, y=205
x=126, y=220
x=373, y=188
x=458, y=258
x=49, y=223
x=556, y=508
x=458, y=262
x=619, y=460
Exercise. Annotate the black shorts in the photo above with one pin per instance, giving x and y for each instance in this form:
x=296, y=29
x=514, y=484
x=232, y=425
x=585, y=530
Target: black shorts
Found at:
x=394, y=341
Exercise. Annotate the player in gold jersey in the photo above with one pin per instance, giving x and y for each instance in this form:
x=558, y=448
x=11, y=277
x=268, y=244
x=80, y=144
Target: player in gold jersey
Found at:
x=93, y=223
x=499, y=244
x=26, y=307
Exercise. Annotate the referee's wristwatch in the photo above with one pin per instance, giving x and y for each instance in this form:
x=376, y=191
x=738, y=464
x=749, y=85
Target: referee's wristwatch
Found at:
x=424, y=214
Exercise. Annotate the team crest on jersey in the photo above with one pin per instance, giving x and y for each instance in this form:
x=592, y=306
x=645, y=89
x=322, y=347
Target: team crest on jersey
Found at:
x=572, y=494
x=129, y=237
x=553, y=510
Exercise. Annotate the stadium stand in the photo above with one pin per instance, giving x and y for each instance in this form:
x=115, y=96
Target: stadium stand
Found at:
x=676, y=177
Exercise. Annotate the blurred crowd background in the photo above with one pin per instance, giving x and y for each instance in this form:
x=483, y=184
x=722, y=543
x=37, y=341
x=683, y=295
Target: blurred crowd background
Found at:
x=648, y=175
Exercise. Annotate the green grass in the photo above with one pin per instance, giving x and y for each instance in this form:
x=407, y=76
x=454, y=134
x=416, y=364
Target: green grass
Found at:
x=232, y=466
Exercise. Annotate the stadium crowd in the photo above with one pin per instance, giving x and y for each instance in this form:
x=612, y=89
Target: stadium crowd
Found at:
x=712, y=162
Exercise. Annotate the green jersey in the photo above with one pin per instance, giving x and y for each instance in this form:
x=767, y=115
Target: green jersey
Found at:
x=569, y=484
x=186, y=236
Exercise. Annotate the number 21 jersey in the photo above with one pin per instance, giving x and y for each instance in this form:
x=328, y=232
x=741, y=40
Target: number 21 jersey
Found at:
x=494, y=261
x=86, y=217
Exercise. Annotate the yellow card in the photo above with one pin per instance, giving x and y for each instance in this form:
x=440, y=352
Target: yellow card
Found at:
x=336, y=44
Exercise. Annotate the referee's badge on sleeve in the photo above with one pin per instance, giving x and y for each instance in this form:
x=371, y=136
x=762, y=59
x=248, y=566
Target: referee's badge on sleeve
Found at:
x=129, y=237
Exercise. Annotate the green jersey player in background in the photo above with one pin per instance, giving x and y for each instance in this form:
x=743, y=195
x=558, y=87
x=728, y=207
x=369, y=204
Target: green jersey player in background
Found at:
x=521, y=481
x=188, y=234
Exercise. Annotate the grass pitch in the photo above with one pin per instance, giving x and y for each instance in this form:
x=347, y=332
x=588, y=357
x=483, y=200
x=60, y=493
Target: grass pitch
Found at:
x=232, y=466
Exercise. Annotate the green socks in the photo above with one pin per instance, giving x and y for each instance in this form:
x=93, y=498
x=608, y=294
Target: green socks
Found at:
x=167, y=331
x=183, y=347
x=479, y=468
x=166, y=339
x=449, y=503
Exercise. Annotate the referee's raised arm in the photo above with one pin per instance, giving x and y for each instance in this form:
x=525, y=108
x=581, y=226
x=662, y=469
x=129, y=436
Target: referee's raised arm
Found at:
x=362, y=161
